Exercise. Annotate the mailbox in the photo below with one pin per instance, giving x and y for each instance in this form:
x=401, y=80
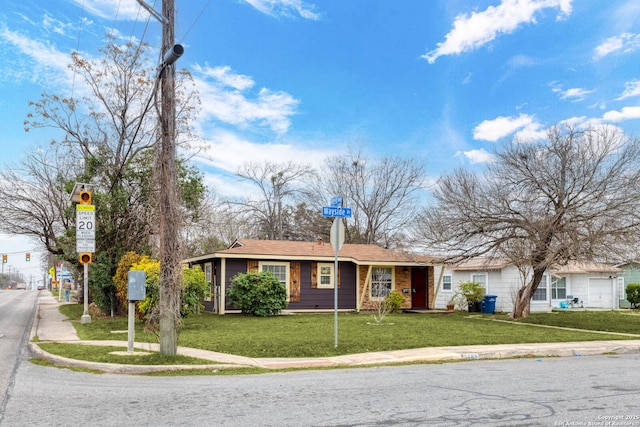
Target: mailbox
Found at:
x=137, y=285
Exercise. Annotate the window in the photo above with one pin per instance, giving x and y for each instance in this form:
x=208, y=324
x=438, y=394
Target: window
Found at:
x=381, y=282
x=559, y=288
x=280, y=270
x=325, y=275
x=480, y=278
x=446, y=282
x=541, y=293
x=207, y=273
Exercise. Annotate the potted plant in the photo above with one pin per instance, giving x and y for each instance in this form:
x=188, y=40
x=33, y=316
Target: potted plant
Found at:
x=473, y=294
x=451, y=305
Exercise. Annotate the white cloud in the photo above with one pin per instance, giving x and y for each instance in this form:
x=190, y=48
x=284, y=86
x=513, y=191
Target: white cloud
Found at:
x=114, y=9
x=227, y=77
x=479, y=156
x=228, y=151
x=225, y=97
x=285, y=8
x=631, y=89
x=44, y=57
x=626, y=113
x=472, y=31
x=524, y=126
x=625, y=42
x=575, y=94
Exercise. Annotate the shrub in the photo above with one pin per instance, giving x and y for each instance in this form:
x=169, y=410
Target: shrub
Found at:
x=633, y=294
x=121, y=278
x=394, y=301
x=258, y=294
x=473, y=292
x=196, y=288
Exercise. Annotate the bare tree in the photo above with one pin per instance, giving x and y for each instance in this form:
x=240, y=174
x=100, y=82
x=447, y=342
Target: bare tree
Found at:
x=383, y=195
x=278, y=184
x=572, y=196
x=34, y=203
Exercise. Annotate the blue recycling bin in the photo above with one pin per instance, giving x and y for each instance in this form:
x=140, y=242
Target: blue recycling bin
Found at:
x=489, y=304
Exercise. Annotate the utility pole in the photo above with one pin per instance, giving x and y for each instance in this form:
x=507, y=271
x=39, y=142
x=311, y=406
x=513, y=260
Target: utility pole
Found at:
x=170, y=249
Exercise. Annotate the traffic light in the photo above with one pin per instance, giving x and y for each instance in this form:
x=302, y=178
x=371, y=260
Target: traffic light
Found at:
x=85, y=258
x=28, y=256
x=85, y=197
x=4, y=258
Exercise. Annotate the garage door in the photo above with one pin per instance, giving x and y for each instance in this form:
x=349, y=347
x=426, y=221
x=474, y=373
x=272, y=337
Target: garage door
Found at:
x=600, y=293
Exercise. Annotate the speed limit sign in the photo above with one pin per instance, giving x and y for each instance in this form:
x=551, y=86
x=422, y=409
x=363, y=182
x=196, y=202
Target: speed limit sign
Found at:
x=85, y=228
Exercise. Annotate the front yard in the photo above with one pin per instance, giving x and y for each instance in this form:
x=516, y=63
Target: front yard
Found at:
x=312, y=335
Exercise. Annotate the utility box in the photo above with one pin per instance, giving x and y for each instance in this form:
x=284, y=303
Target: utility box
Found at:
x=136, y=285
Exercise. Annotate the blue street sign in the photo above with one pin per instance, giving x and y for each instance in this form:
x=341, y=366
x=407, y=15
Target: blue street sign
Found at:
x=336, y=202
x=336, y=212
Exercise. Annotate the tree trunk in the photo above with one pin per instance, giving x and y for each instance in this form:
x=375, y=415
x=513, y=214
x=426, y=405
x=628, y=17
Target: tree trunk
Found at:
x=522, y=304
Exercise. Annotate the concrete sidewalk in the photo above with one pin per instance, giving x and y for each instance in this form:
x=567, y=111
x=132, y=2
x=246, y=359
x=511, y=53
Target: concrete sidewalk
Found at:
x=51, y=326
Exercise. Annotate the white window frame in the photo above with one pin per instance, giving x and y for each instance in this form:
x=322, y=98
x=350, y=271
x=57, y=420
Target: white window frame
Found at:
x=450, y=282
x=484, y=282
x=556, y=288
x=392, y=284
x=544, y=281
x=208, y=276
x=208, y=272
x=262, y=264
x=331, y=275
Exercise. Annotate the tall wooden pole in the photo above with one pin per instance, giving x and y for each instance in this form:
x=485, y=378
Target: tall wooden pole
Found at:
x=169, y=216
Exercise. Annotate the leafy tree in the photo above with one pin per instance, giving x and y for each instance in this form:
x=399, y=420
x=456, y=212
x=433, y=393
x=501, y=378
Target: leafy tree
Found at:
x=108, y=140
x=572, y=196
x=258, y=294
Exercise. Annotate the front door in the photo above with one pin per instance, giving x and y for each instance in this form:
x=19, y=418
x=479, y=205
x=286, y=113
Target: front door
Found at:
x=419, y=295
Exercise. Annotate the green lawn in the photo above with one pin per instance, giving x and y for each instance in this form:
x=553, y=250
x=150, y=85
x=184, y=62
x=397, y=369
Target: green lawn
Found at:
x=312, y=335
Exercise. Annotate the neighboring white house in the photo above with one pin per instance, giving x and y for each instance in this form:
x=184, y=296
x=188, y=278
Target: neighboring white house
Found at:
x=577, y=284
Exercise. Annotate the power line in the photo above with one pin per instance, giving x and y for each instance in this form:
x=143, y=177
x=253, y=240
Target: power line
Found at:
x=195, y=20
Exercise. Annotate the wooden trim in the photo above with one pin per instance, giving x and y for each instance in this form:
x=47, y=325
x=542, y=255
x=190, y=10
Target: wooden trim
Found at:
x=367, y=285
x=314, y=275
x=294, y=282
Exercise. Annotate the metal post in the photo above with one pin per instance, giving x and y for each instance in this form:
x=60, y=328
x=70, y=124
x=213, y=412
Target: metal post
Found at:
x=132, y=331
x=335, y=285
x=86, y=318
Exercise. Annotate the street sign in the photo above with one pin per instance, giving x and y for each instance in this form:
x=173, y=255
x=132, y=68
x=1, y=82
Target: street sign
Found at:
x=85, y=222
x=336, y=212
x=337, y=234
x=86, y=245
x=336, y=202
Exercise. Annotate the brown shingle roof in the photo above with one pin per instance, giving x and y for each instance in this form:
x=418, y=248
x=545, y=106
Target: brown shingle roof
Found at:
x=318, y=250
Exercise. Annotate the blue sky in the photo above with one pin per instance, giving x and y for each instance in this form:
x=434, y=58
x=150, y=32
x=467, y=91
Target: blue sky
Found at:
x=443, y=81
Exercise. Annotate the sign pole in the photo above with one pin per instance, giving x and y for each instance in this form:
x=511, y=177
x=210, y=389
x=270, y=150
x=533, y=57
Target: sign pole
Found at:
x=337, y=239
x=132, y=330
x=336, y=226
x=86, y=318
